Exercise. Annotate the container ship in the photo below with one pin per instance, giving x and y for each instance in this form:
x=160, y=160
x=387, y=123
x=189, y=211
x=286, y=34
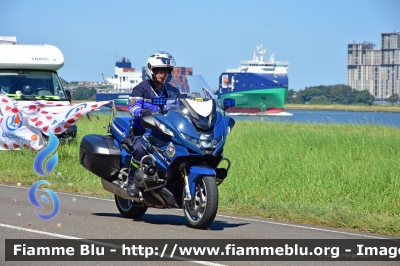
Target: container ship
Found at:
x=120, y=85
x=258, y=86
x=126, y=78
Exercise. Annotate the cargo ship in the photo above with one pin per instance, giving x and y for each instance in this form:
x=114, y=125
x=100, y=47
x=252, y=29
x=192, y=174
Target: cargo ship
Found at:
x=258, y=86
x=126, y=78
x=120, y=85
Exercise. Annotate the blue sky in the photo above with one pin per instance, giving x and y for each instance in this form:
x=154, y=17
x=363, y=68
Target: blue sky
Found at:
x=208, y=35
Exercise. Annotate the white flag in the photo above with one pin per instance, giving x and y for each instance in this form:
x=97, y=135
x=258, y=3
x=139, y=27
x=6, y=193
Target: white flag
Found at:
x=22, y=125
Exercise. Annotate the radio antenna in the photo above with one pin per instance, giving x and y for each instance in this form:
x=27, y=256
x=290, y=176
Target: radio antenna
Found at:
x=112, y=101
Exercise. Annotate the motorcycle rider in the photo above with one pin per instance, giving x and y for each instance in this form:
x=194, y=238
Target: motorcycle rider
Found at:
x=159, y=66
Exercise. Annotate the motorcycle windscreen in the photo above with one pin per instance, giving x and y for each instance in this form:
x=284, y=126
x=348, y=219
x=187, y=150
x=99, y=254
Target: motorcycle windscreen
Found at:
x=202, y=114
x=196, y=99
x=192, y=87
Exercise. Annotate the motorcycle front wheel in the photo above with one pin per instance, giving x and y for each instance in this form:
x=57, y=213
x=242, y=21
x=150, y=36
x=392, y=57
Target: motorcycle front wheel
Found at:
x=201, y=210
x=128, y=209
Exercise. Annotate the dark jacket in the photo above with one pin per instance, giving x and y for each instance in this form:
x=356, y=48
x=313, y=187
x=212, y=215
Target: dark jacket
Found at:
x=141, y=95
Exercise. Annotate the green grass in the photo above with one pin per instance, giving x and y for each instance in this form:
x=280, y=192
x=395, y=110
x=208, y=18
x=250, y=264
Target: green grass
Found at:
x=338, y=175
x=68, y=175
x=345, y=176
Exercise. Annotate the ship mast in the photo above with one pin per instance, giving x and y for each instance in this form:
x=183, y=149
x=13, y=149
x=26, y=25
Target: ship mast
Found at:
x=272, y=58
x=261, y=53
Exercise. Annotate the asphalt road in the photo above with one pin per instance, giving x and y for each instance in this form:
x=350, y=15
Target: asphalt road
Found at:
x=87, y=217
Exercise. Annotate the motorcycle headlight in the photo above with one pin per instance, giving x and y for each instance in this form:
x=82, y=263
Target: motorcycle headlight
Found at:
x=217, y=141
x=165, y=130
x=205, y=141
x=194, y=141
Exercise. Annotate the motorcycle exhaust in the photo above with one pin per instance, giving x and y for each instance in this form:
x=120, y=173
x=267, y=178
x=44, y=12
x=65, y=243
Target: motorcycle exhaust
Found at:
x=115, y=188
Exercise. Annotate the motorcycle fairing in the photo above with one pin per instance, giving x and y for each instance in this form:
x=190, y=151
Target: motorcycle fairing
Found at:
x=125, y=156
x=184, y=127
x=160, y=151
x=220, y=127
x=120, y=127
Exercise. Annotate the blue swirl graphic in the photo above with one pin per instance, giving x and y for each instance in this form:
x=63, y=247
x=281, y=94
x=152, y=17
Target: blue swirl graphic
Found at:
x=52, y=162
x=34, y=201
x=45, y=199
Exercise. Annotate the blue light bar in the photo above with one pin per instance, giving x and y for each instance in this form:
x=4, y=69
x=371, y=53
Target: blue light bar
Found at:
x=159, y=101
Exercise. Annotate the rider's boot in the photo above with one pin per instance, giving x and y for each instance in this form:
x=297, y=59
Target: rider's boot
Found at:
x=138, y=179
x=132, y=189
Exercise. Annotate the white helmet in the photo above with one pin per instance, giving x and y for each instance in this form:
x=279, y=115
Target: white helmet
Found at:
x=159, y=60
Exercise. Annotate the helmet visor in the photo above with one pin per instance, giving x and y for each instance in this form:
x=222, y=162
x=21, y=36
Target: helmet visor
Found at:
x=167, y=70
x=166, y=61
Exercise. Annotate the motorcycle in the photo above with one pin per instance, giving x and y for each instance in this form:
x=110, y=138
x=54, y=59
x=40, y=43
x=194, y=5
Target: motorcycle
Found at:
x=183, y=145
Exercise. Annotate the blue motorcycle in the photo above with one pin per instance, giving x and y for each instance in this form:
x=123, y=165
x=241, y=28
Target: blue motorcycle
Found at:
x=183, y=144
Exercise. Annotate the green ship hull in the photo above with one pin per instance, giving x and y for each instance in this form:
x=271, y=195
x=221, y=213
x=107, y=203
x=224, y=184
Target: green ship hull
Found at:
x=257, y=101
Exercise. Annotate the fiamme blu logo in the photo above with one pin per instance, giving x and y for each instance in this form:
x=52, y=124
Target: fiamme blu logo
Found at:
x=50, y=165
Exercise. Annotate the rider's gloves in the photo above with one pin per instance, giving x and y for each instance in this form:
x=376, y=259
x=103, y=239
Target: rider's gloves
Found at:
x=145, y=112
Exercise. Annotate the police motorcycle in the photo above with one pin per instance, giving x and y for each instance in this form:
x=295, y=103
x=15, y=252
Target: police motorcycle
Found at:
x=183, y=146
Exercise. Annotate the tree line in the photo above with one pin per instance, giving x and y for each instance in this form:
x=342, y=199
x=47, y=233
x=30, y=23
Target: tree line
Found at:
x=83, y=93
x=333, y=94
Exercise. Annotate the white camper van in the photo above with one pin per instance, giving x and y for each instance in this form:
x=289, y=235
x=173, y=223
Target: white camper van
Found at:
x=29, y=73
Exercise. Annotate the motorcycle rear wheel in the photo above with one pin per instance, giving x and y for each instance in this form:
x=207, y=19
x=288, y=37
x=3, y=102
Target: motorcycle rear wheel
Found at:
x=201, y=210
x=128, y=209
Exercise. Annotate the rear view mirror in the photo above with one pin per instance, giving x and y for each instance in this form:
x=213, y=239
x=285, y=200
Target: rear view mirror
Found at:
x=68, y=93
x=229, y=102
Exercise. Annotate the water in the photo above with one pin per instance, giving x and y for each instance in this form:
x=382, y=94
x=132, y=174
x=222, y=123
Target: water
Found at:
x=332, y=117
x=319, y=117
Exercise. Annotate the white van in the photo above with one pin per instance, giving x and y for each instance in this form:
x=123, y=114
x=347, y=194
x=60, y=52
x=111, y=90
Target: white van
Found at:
x=29, y=73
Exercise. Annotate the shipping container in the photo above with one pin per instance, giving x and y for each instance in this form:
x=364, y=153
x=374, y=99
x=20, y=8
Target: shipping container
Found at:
x=128, y=70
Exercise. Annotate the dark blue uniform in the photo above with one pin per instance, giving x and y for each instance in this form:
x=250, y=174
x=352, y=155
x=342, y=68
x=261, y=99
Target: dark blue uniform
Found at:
x=141, y=95
x=140, y=98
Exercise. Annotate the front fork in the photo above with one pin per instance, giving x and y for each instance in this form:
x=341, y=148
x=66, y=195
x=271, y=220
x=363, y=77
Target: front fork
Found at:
x=192, y=174
x=186, y=182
